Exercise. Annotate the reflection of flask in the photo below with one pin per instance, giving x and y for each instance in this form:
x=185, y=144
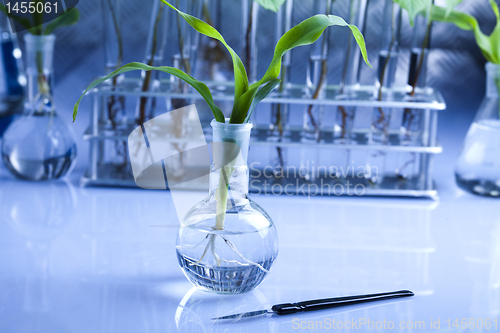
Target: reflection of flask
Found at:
x=196, y=309
x=11, y=78
x=54, y=204
x=478, y=167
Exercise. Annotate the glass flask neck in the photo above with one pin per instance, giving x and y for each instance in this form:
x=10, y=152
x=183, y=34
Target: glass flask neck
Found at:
x=39, y=69
x=492, y=80
x=230, y=153
x=238, y=179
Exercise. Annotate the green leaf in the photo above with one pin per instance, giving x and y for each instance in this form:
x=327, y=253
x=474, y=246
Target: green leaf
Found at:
x=199, y=86
x=64, y=20
x=240, y=74
x=489, y=45
x=261, y=95
x=450, y=5
x=21, y=20
x=273, y=5
x=244, y=106
x=305, y=33
x=413, y=7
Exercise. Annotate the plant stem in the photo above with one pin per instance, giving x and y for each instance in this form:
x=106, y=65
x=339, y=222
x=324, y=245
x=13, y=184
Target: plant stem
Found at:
x=118, y=34
x=147, y=77
x=280, y=115
x=323, y=75
x=119, y=59
x=43, y=85
x=214, y=52
x=221, y=196
x=177, y=102
x=409, y=112
x=319, y=88
x=248, y=42
x=342, y=84
x=384, y=68
x=279, y=108
x=206, y=13
x=226, y=171
x=185, y=62
x=497, y=83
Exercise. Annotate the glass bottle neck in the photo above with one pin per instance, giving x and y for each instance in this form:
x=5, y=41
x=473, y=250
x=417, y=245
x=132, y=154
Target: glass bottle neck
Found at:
x=39, y=67
x=230, y=152
x=492, y=80
x=236, y=177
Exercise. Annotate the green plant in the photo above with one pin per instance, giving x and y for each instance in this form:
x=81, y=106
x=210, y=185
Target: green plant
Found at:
x=322, y=78
x=113, y=100
x=147, y=77
x=246, y=96
x=415, y=7
x=36, y=27
x=489, y=44
x=422, y=7
x=395, y=26
x=273, y=5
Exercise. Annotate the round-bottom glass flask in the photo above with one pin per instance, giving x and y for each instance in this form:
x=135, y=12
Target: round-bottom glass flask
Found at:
x=227, y=243
x=478, y=167
x=39, y=145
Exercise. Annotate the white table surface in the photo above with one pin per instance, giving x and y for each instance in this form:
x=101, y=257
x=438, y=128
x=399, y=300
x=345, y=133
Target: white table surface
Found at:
x=88, y=260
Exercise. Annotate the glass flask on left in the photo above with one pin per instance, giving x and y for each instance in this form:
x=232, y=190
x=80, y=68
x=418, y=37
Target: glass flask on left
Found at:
x=39, y=145
x=12, y=78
